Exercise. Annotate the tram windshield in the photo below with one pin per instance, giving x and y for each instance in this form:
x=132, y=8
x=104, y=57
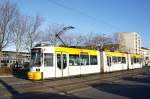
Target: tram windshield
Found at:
x=36, y=57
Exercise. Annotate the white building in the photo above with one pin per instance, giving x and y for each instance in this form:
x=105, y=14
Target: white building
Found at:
x=130, y=41
x=145, y=55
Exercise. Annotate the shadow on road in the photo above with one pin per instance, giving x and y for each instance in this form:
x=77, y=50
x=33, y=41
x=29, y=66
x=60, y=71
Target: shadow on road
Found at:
x=34, y=95
x=20, y=73
x=128, y=90
x=140, y=80
x=21, y=76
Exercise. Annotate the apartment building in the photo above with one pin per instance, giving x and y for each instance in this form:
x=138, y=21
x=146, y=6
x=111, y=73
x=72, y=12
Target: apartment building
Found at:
x=130, y=42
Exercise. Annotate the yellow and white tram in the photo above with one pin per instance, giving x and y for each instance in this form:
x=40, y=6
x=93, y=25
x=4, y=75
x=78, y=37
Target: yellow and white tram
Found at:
x=55, y=62
x=135, y=61
x=114, y=61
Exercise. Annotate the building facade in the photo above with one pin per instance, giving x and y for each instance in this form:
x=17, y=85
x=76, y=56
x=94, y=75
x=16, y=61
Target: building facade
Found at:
x=130, y=42
x=145, y=55
x=8, y=58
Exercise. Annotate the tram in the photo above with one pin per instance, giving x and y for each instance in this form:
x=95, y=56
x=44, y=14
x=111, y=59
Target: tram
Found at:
x=114, y=61
x=135, y=61
x=55, y=62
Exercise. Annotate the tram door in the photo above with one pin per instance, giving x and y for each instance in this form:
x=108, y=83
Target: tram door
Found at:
x=61, y=65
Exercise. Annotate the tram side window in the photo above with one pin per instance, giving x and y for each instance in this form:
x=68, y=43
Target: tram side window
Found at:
x=59, y=61
x=84, y=59
x=93, y=60
x=108, y=61
x=114, y=60
x=135, y=60
x=132, y=60
x=48, y=59
x=123, y=60
x=138, y=60
x=64, y=61
x=119, y=60
x=74, y=60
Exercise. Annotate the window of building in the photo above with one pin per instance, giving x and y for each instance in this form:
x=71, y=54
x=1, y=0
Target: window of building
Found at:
x=4, y=61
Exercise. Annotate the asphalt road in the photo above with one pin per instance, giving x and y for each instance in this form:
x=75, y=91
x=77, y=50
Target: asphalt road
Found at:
x=136, y=87
x=125, y=87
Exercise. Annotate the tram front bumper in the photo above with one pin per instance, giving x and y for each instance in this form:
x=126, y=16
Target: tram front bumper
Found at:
x=34, y=75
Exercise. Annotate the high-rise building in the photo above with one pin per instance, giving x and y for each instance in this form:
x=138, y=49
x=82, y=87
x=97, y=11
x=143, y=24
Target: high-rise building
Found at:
x=130, y=42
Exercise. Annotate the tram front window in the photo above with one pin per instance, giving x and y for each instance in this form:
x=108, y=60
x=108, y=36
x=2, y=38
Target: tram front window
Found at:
x=36, y=57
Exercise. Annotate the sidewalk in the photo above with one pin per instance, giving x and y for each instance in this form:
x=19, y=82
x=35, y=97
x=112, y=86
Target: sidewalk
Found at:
x=6, y=76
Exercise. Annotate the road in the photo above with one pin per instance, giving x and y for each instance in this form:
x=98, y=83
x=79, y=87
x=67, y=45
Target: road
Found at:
x=132, y=84
x=135, y=87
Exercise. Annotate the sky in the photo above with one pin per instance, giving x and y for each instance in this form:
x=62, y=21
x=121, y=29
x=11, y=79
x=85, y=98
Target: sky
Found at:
x=99, y=16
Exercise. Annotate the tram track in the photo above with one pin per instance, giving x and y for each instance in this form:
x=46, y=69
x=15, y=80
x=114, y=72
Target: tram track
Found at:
x=67, y=81
x=83, y=83
x=69, y=85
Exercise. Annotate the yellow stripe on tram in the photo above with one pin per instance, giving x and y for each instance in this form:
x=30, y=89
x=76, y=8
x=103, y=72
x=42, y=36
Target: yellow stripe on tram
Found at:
x=117, y=54
x=135, y=56
x=75, y=51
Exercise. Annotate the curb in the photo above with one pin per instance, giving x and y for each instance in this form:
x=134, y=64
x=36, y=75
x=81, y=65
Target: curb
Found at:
x=2, y=76
x=79, y=89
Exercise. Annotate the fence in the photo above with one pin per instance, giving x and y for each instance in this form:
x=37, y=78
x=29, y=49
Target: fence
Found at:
x=6, y=71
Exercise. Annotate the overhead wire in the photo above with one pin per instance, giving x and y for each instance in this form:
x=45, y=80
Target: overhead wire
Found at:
x=83, y=14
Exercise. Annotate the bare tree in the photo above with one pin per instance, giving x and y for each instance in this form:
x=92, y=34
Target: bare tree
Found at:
x=51, y=31
x=8, y=12
x=32, y=33
x=19, y=30
x=73, y=39
x=56, y=34
x=78, y=40
x=88, y=41
x=118, y=39
x=101, y=40
x=97, y=41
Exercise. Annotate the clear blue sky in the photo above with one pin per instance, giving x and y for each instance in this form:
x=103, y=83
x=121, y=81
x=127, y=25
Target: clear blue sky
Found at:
x=113, y=15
